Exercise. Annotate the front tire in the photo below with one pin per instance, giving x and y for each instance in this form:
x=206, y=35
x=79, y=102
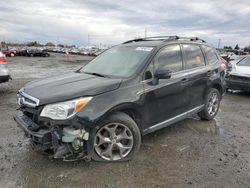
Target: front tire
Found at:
x=212, y=105
x=117, y=139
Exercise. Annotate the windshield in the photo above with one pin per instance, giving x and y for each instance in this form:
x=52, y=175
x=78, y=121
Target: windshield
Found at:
x=120, y=61
x=244, y=62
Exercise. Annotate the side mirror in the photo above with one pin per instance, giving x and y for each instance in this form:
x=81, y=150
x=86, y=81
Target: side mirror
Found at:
x=148, y=75
x=162, y=73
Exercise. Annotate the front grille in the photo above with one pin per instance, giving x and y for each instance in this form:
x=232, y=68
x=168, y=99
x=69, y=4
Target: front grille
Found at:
x=24, y=99
x=31, y=113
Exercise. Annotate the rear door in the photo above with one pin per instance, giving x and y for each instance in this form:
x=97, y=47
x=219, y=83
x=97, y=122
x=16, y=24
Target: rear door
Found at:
x=197, y=72
x=167, y=98
x=216, y=72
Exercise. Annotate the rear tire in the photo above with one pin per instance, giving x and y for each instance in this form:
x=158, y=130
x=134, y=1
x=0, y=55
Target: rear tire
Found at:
x=117, y=139
x=212, y=105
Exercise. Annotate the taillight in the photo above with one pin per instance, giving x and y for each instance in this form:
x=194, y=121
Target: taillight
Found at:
x=3, y=60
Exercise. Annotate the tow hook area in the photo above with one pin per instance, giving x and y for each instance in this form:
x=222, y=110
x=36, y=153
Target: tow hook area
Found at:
x=72, y=147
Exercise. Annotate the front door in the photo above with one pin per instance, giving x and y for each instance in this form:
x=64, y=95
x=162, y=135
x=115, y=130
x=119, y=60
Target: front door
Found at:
x=167, y=98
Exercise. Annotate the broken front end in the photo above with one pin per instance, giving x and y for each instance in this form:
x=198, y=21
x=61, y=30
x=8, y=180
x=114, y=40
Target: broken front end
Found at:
x=67, y=139
x=238, y=82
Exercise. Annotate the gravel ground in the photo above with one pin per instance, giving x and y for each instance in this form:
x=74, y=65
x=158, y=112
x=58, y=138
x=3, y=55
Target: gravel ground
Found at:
x=191, y=153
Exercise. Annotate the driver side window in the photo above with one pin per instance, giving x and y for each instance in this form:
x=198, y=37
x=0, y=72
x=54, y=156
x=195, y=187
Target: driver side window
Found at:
x=170, y=58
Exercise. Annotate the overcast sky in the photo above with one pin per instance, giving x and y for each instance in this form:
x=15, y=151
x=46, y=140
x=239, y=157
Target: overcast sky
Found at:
x=114, y=21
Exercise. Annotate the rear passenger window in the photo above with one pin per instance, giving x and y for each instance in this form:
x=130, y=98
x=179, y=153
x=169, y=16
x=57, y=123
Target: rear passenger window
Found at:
x=169, y=57
x=193, y=55
x=210, y=55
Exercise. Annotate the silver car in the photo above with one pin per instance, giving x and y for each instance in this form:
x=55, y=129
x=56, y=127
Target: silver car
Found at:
x=4, y=72
x=239, y=77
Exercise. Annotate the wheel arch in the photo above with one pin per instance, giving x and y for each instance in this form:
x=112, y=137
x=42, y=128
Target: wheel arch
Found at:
x=218, y=87
x=130, y=109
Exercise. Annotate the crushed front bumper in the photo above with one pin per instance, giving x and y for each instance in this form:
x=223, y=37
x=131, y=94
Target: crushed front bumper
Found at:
x=50, y=140
x=238, y=83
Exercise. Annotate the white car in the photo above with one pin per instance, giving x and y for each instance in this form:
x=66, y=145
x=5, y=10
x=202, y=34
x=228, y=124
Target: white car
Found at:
x=239, y=77
x=4, y=72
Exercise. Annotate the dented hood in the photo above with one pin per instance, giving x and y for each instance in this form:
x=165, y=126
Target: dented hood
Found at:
x=69, y=86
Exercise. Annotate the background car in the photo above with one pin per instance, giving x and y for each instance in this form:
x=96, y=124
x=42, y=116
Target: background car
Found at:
x=8, y=51
x=4, y=72
x=22, y=52
x=74, y=51
x=98, y=52
x=239, y=77
x=37, y=52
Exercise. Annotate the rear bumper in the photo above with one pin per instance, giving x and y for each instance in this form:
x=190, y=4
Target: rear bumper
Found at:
x=238, y=85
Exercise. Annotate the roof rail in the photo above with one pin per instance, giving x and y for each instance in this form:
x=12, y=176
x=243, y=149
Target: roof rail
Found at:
x=192, y=39
x=165, y=38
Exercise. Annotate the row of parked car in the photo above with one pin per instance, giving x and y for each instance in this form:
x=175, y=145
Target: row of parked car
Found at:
x=44, y=52
x=24, y=52
x=78, y=51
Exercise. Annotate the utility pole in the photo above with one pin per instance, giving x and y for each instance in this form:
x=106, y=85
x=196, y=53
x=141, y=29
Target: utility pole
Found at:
x=145, y=32
x=219, y=43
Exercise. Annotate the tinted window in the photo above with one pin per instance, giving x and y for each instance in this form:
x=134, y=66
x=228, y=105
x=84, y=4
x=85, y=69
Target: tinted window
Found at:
x=244, y=62
x=210, y=55
x=170, y=58
x=194, y=56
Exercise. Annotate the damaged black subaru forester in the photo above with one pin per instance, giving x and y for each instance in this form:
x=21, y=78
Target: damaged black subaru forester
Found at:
x=101, y=111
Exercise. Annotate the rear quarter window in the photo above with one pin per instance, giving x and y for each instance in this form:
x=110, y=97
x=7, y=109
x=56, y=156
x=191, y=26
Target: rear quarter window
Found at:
x=210, y=55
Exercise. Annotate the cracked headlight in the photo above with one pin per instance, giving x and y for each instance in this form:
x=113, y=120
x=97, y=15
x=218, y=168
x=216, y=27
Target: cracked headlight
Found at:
x=64, y=110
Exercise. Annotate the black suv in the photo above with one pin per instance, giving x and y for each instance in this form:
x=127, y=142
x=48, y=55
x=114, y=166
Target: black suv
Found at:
x=36, y=52
x=101, y=111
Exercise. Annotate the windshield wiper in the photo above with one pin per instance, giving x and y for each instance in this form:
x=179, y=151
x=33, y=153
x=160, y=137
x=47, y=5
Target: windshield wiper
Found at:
x=97, y=74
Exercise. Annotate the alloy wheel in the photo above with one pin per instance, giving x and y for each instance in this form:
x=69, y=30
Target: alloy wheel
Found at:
x=213, y=104
x=114, y=141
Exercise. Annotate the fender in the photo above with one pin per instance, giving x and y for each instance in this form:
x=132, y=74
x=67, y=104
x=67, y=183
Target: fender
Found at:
x=103, y=105
x=124, y=107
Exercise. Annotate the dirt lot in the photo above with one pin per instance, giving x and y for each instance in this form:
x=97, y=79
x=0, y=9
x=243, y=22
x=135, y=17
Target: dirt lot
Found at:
x=191, y=153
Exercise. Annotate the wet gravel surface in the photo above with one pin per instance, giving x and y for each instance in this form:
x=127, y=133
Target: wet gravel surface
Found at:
x=191, y=153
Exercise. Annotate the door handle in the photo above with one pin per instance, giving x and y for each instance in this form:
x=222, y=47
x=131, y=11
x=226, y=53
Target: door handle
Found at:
x=183, y=80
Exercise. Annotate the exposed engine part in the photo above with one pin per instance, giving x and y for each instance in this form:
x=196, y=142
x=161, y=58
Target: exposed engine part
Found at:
x=61, y=151
x=77, y=144
x=55, y=140
x=70, y=134
x=75, y=136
